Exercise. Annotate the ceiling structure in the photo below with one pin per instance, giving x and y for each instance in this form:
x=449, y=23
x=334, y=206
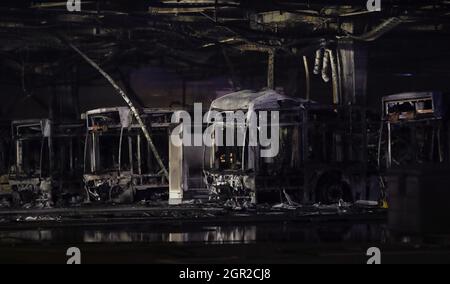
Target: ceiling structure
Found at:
x=193, y=36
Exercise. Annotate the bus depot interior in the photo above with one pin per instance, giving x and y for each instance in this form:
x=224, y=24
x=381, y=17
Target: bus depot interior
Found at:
x=225, y=122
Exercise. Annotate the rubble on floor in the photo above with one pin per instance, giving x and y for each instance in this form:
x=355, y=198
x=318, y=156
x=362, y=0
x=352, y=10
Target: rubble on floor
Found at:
x=38, y=219
x=4, y=203
x=284, y=206
x=38, y=204
x=366, y=203
x=290, y=204
x=192, y=211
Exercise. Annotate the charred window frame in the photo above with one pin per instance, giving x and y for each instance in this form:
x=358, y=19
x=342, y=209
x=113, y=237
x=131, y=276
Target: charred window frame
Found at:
x=414, y=130
x=246, y=157
x=42, y=148
x=224, y=157
x=113, y=147
x=32, y=146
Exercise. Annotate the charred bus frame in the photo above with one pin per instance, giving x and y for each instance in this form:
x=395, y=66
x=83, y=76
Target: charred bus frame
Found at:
x=414, y=130
x=323, y=154
x=119, y=164
x=5, y=146
x=47, y=161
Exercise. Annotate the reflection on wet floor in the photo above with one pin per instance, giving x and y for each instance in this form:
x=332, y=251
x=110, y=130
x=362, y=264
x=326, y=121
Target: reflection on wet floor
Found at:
x=281, y=232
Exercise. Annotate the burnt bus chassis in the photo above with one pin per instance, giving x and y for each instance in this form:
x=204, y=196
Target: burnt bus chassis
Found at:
x=345, y=174
x=5, y=146
x=57, y=178
x=414, y=112
x=115, y=183
x=306, y=183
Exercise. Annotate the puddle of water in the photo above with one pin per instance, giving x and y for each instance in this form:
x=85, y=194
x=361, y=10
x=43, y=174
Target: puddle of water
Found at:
x=245, y=234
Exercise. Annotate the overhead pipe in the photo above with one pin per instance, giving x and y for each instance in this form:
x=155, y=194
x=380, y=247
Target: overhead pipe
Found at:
x=326, y=67
x=379, y=30
x=318, y=61
x=334, y=76
x=325, y=61
x=308, y=78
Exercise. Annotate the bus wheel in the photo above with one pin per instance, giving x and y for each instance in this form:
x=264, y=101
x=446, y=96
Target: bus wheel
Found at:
x=331, y=188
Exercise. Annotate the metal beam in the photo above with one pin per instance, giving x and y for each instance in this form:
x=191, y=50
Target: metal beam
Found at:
x=271, y=70
x=307, y=78
x=353, y=59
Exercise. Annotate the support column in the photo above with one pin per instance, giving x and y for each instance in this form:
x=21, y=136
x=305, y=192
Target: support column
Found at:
x=353, y=63
x=353, y=67
x=75, y=90
x=271, y=70
x=184, y=93
x=176, y=172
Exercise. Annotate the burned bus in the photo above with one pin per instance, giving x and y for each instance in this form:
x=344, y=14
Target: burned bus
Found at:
x=321, y=157
x=120, y=166
x=414, y=130
x=47, y=166
x=414, y=156
x=5, y=142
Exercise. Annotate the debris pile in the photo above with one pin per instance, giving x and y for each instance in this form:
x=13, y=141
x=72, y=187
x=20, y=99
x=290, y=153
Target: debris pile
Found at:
x=4, y=203
x=38, y=219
